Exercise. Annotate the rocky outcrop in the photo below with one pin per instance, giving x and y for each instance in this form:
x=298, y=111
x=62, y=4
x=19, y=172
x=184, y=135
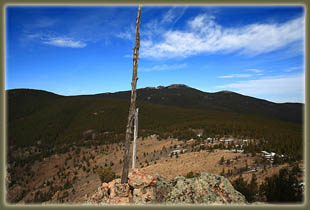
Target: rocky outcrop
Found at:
x=144, y=188
x=205, y=189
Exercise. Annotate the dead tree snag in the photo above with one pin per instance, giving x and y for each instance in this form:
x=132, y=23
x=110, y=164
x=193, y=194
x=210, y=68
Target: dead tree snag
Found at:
x=132, y=107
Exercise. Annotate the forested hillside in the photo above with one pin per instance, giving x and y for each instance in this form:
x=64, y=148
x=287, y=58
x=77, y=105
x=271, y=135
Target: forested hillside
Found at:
x=52, y=119
x=180, y=95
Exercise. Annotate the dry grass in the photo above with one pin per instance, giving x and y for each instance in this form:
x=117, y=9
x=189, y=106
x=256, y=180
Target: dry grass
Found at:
x=87, y=183
x=202, y=161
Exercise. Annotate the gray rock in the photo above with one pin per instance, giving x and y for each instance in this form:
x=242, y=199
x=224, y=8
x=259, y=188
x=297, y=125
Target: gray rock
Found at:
x=205, y=189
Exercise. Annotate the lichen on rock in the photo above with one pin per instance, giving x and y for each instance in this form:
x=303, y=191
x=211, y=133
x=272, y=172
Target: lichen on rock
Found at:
x=144, y=188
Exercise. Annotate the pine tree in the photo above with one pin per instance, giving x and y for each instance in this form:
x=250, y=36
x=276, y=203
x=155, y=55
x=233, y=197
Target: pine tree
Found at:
x=253, y=188
x=282, y=187
x=223, y=172
x=221, y=162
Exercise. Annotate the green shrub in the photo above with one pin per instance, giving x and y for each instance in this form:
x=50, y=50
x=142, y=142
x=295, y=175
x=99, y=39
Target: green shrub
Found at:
x=221, y=162
x=106, y=174
x=67, y=185
x=191, y=175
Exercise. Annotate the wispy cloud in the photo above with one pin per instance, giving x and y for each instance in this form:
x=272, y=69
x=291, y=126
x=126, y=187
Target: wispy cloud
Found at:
x=164, y=67
x=96, y=25
x=277, y=85
x=58, y=41
x=156, y=27
x=234, y=76
x=173, y=15
x=255, y=70
x=64, y=42
x=293, y=69
x=168, y=17
x=204, y=35
x=129, y=33
x=33, y=36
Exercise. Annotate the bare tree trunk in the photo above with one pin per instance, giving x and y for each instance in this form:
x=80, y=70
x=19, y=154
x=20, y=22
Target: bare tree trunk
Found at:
x=135, y=136
x=132, y=108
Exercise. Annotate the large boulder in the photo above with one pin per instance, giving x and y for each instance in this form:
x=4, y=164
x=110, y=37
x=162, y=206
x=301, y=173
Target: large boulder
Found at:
x=205, y=189
x=139, y=179
x=144, y=188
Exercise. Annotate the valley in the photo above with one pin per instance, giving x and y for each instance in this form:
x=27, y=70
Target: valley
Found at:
x=68, y=177
x=56, y=144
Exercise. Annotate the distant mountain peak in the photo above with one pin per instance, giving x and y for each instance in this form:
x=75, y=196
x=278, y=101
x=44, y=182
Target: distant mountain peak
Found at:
x=169, y=86
x=160, y=87
x=225, y=91
x=176, y=86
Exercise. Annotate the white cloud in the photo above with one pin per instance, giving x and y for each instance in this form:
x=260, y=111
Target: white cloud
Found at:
x=235, y=76
x=173, y=15
x=277, y=86
x=164, y=67
x=33, y=36
x=255, y=70
x=55, y=40
x=129, y=33
x=64, y=42
x=157, y=27
x=293, y=69
x=204, y=35
x=125, y=35
x=168, y=17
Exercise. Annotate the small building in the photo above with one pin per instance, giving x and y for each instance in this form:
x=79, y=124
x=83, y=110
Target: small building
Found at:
x=177, y=151
x=229, y=140
x=268, y=155
x=301, y=184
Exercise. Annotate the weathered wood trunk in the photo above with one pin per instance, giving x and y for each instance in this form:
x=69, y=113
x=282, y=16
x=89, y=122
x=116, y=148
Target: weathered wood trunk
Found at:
x=135, y=136
x=132, y=107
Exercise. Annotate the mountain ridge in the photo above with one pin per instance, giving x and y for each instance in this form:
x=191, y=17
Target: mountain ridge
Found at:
x=149, y=87
x=183, y=96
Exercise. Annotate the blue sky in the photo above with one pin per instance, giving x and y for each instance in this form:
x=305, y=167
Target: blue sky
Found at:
x=255, y=51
